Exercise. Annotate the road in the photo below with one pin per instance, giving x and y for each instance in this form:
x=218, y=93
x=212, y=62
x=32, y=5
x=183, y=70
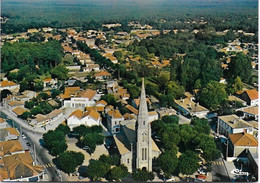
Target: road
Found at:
x=219, y=171
x=33, y=137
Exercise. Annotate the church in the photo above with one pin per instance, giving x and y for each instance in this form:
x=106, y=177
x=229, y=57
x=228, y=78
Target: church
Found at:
x=134, y=142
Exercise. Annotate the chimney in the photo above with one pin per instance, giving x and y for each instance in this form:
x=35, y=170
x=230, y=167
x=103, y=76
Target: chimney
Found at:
x=244, y=131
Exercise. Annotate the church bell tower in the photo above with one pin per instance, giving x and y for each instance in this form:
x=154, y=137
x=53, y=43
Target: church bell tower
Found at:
x=144, y=139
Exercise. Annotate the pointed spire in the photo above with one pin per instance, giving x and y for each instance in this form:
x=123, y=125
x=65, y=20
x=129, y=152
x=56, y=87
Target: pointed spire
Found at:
x=143, y=111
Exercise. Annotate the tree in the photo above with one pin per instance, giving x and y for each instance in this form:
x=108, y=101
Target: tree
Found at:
x=212, y=95
x=110, y=99
x=175, y=89
x=240, y=65
x=119, y=55
x=142, y=175
x=82, y=130
x=98, y=42
x=67, y=59
x=55, y=93
x=118, y=172
x=92, y=140
x=58, y=147
x=60, y=72
x=5, y=93
x=36, y=110
x=201, y=125
x=97, y=169
x=38, y=85
x=162, y=80
x=168, y=162
x=25, y=115
x=55, y=142
x=70, y=160
x=188, y=162
x=238, y=85
x=171, y=119
x=63, y=128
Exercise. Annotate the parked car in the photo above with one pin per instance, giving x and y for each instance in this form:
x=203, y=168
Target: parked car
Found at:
x=202, y=171
x=80, y=177
x=28, y=144
x=85, y=148
x=23, y=136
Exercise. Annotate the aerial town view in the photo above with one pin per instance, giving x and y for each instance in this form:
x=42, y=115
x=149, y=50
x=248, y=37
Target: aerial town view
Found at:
x=129, y=91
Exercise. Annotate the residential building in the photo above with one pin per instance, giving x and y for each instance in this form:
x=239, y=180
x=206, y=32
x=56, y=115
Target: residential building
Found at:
x=3, y=123
x=250, y=112
x=85, y=98
x=188, y=107
x=240, y=143
x=14, y=104
x=50, y=83
x=69, y=92
x=79, y=117
x=9, y=134
x=152, y=116
x=232, y=124
x=19, y=110
x=9, y=85
x=11, y=147
x=114, y=119
x=20, y=167
x=102, y=75
x=165, y=112
x=43, y=120
x=91, y=67
x=233, y=98
x=250, y=96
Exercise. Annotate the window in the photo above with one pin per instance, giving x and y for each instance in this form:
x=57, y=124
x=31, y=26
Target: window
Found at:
x=115, y=123
x=128, y=161
x=143, y=122
x=142, y=153
x=145, y=154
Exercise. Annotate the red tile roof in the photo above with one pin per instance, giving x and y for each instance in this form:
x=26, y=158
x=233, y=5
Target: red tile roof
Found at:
x=241, y=139
x=252, y=94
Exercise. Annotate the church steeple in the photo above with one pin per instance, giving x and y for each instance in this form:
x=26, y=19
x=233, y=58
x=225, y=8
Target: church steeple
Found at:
x=143, y=111
x=144, y=140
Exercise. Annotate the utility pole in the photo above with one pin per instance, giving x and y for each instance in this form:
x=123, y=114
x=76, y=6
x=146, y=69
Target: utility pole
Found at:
x=34, y=150
x=227, y=150
x=21, y=130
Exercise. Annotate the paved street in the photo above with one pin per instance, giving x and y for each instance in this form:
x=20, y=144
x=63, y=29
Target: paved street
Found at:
x=219, y=171
x=33, y=137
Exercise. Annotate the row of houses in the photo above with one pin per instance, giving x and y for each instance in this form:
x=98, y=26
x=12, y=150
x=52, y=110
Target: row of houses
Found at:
x=16, y=162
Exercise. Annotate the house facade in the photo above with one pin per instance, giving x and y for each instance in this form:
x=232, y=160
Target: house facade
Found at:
x=114, y=119
x=79, y=117
x=231, y=124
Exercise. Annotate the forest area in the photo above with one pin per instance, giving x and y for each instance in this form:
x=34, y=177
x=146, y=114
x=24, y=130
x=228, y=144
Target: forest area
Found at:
x=91, y=14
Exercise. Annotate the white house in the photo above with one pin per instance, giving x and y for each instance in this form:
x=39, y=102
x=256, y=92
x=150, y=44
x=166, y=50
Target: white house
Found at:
x=189, y=107
x=49, y=82
x=85, y=98
x=91, y=67
x=114, y=119
x=250, y=96
x=79, y=117
x=231, y=124
x=9, y=85
x=153, y=115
